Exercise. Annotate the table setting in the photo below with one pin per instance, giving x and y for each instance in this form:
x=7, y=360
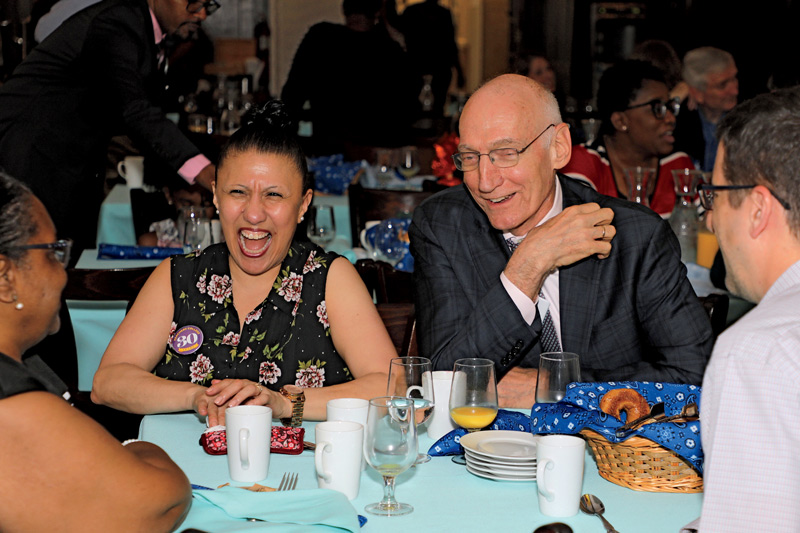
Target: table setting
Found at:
x=515, y=477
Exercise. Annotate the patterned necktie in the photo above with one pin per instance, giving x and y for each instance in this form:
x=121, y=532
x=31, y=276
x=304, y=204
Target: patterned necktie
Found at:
x=548, y=338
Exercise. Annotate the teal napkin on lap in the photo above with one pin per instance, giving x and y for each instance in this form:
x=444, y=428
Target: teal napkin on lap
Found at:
x=295, y=511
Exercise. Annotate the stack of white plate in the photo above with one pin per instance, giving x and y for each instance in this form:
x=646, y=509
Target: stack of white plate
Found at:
x=501, y=455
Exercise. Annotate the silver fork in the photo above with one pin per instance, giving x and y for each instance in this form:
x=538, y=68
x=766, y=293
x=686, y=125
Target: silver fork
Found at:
x=288, y=481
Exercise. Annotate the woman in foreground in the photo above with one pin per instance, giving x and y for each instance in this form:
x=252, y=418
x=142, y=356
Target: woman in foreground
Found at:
x=60, y=469
x=257, y=319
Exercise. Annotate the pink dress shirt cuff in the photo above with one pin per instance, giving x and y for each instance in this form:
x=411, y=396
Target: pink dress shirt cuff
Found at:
x=193, y=166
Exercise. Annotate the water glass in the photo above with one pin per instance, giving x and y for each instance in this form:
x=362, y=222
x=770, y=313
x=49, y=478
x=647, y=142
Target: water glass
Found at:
x=321, y=228
x=556, y=371
x=411, y=377
x=639, y=181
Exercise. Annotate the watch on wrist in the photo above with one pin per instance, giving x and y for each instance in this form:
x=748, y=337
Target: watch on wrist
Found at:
x=298, y=399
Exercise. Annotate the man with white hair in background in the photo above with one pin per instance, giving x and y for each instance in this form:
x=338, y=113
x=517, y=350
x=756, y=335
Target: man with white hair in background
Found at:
x=710, y=74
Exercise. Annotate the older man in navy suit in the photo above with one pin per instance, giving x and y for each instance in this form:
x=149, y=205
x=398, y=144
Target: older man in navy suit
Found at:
x=521, y=260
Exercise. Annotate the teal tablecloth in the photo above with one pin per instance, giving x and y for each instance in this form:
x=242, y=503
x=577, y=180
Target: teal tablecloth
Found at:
x=444, y=495
x=115, y=225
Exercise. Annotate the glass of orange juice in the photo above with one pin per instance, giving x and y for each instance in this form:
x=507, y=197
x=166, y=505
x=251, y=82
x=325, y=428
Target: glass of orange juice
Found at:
x=473, y=395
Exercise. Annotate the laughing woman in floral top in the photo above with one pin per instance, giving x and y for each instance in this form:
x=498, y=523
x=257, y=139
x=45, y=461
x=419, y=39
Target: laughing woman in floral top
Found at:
x=236, y=322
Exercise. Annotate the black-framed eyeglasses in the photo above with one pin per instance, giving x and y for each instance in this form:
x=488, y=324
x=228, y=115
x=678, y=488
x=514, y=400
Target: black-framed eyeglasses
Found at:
x=500, y=157
x=659, y=107
x=210, y=6
x=707, y=194
x=61, y=249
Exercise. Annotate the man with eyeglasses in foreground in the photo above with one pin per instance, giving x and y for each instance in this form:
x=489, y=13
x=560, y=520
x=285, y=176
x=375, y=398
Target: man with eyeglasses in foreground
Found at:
x=99, y=74
x=613, y=289
x=750, y=421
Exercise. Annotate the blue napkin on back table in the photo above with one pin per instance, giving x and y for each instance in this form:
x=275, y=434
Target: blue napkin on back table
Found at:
x=118, y=251
x=297, y=511
x=580, y=409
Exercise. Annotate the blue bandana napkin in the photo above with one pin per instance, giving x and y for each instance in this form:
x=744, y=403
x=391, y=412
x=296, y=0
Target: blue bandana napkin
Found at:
x=332, y=174
x=580, y=409
x=118, y=251
x=314, y=510
x=450, y=444
x=406, y=263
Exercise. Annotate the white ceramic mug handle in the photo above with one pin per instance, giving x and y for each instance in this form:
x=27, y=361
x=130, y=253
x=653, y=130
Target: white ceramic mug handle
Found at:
x=121, y=168
x=540, y=479
x=244, y=457
x=318, y=461
x=415, y=388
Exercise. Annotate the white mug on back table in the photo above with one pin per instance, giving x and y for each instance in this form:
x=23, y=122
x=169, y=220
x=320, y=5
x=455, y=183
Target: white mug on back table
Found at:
x=132, y=169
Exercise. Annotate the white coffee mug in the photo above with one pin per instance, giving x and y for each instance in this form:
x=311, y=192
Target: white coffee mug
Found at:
x=440, y=423
x=132, y=169
x=349, y=410
x=337, y=458
x=559, y=474
x=248, y=429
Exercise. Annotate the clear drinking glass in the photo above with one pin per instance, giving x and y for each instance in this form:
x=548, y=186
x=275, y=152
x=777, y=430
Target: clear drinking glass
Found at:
x=556, y=371
x=473, y=395
x=408, y=165
x=640, y=180
x=390, y=447
x=194, y=227
x=412, y=377
x=321, y=228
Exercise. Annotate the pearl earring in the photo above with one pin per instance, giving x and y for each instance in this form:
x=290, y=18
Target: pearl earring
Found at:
x=624, y=128
x=17, y=304
x=302, y=219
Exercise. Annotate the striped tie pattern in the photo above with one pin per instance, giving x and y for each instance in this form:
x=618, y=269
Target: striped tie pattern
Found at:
x=548, y=338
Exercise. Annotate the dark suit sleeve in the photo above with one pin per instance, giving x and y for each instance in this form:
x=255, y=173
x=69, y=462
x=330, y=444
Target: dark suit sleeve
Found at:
x=118, y=46
x=673, y=324
x=459, y=313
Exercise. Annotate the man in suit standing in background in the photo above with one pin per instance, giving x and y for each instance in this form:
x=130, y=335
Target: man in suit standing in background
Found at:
x=98, y=75
x=589, y=274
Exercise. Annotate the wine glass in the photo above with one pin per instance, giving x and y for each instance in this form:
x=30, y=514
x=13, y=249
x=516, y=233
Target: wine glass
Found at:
x=412, y=377
x=321, y=228
x=473, y=395
x=556, y=371
x=390, y=447
x=195, y=228
x=408, y=165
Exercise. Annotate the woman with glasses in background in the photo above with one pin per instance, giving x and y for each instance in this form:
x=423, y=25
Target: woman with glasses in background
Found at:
x=637, y=122
x=61, y=470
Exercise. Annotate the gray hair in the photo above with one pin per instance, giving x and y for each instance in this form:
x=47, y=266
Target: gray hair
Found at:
x=700, y=62
x=16, y=225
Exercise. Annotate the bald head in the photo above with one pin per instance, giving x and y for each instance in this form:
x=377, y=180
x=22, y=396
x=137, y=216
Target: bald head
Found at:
x=521, y=92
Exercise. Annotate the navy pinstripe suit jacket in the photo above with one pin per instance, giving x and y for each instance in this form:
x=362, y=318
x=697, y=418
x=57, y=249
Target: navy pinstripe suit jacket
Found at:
x=631, y=316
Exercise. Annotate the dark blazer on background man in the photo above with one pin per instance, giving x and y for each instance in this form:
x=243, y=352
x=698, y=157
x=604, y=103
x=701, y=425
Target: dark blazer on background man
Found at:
x=94, y=77
x=631, y=316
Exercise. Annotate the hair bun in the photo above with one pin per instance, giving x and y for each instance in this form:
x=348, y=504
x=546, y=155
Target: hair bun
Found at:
x=272, y=115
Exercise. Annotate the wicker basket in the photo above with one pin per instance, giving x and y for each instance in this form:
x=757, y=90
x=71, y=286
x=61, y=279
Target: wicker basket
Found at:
x=641, y=464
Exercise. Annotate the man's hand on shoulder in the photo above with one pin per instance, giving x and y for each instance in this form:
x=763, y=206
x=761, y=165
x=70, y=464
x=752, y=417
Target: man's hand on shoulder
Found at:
x=517, y=389
x=577, y=232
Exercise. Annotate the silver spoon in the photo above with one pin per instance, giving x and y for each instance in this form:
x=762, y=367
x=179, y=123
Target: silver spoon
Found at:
x=591, y=504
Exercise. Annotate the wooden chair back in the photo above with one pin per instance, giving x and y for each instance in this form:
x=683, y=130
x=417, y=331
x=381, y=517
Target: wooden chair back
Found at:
x=400, y=322
x=716, y=306
x=385, y=283
x=105, y=284
x=379, y=204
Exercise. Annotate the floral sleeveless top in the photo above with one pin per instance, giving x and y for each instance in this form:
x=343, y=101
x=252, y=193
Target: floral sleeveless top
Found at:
x=286, y=340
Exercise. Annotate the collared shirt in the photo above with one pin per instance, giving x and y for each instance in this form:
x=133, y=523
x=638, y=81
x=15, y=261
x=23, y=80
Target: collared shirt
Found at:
x=710, y=138
x=526, y=306
x=750, y=418
x=192, y=167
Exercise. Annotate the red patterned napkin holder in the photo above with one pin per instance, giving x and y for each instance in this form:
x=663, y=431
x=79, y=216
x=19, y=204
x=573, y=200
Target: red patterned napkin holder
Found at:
x=284, y=440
